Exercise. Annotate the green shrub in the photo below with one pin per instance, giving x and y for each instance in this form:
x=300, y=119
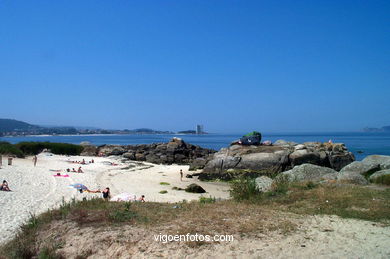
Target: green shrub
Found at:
x=9, y=149
x=34, y=148
x=279, y=187
x=163, y=191
x=244, y=189
x=383, y=179
x=164, y=183
x=210, y=199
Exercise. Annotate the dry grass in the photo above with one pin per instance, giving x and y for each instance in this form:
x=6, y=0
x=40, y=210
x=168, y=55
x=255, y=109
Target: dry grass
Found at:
x=259, y=215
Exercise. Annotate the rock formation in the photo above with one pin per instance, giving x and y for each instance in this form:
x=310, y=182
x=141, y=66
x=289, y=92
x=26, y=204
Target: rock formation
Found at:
x=236, y=160
x=175, y=151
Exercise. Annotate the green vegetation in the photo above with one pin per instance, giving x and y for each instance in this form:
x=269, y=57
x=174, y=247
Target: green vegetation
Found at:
x=210, y=199
x=383, y=179
x=163, y=192
x=164, y=183
x=33, y=148
x=23, y=149
x=9, y=149
x=244, y=188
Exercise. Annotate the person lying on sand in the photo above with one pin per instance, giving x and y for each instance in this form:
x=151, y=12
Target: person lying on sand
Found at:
x=141, y=199
x=5, y=187
x=73, y=170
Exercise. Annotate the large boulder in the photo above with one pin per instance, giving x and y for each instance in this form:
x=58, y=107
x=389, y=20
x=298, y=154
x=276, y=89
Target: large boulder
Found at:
x=352, y=177
x=198, y=163
x=112, y=150
x=309, y=172
x=304, y=156
x=89, y=150
x=357, y=172
x=264, y=183
x=361, y=168
x=194, y=188
x=382, y=161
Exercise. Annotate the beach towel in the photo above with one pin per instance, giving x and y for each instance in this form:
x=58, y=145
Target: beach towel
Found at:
x=61, y=175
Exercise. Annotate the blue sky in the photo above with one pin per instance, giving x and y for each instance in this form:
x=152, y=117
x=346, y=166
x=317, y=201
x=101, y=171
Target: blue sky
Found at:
x=234, y=66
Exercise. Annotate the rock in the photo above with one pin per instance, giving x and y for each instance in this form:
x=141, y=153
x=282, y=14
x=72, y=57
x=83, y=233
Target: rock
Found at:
x=194, y=188
x=89, y=150
x=378, y=174
x=282, y=156
x=352, y=177
x=304, y=156
x=264, y=183
x=339, y=160
x=129, y=155
x=299, y=147
x=198, y=163
x=356, y=172
x=112, y=150
x=281, y=142
x=361, y=168
x=382, y=161
x=309, y=172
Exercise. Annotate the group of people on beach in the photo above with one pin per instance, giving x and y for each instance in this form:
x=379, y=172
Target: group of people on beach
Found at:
x=82, y=162
x=74, y=170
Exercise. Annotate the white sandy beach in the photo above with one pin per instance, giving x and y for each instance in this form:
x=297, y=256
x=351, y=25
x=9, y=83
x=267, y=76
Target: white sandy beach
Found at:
x=35, y=189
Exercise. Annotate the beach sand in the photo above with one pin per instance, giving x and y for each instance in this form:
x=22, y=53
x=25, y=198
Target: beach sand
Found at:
x=35, y=189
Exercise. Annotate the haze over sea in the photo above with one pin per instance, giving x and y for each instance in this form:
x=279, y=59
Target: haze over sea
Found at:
x=368, y=143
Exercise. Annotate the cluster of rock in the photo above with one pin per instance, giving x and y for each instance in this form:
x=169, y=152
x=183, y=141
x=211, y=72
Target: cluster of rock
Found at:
x=358, y=172
x=175, y=151
x=282, y=156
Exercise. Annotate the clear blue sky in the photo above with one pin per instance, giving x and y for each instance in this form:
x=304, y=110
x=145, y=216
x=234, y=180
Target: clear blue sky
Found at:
x=234, y=66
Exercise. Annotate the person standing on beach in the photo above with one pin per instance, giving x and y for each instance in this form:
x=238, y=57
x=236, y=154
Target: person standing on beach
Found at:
x=35, y=159
x=181, y=175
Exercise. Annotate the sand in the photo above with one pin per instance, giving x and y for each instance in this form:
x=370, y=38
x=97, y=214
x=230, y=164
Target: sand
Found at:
x=35, y=189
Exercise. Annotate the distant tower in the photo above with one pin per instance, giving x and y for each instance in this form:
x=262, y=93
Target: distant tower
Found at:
x=199, y=129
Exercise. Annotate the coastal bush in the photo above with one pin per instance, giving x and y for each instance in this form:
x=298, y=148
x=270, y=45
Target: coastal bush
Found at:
x=163, y=192
x=164, y=183
x=383, y=179
x=210, y=199
x=244, y=188
x=9, y=149
x=34, y=148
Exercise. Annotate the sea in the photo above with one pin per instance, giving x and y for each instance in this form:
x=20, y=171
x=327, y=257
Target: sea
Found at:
x=360, y=143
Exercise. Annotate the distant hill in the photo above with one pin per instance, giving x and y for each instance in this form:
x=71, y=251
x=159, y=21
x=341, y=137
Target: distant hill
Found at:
x=9, y=125
x=383, y=129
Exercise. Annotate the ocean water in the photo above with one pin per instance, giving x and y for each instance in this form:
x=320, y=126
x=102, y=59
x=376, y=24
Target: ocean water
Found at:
x=368, y=143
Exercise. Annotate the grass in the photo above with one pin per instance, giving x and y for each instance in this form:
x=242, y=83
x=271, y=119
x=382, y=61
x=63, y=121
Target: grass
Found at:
x=260, y=213
x=383, y=179
x=164, y=183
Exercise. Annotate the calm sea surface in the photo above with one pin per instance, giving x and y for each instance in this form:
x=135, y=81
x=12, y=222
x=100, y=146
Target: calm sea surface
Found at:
x=369, y=143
